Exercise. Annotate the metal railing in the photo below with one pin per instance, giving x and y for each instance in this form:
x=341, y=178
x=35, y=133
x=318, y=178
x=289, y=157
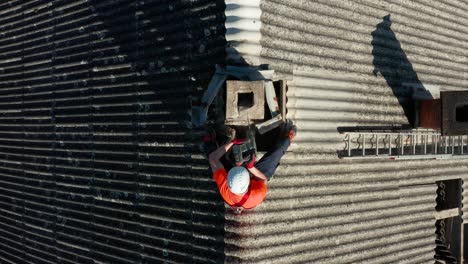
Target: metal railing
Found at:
x=412, y=144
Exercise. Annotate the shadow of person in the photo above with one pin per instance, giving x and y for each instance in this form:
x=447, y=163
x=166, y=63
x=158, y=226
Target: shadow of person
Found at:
x=393, y=64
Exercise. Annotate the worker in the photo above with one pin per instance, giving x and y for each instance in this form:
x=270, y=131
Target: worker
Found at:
x=245, y=187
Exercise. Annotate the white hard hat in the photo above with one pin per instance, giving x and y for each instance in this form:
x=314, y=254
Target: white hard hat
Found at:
x=238, y=180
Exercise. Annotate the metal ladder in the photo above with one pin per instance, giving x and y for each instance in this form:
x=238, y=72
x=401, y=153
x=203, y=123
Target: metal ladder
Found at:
x=410, y=144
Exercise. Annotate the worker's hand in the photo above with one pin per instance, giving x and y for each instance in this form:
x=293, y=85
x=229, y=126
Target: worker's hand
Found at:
x=238, y=141
x=251, y=164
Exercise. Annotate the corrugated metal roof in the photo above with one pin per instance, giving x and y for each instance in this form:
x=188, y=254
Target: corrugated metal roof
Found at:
x=321, y=209
x=96, y=152
x=243, y=31
x=99, y=163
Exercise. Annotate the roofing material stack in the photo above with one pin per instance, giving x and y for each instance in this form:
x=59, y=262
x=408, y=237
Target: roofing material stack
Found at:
x=324, y=210
x=96, y=158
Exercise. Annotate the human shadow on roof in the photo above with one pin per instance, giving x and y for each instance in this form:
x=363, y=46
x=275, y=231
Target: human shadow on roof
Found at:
x=391, y=62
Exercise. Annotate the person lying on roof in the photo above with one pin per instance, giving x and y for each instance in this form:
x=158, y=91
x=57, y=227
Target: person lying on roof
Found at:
x=245, y=187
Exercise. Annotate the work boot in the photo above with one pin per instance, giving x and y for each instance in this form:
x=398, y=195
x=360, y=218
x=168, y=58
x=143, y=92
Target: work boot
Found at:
x=290, y=129
x=292, y=133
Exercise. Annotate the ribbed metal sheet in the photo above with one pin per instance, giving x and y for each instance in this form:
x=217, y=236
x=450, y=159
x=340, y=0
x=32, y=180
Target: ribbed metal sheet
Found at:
x=98, y=163
x=96, y=148
x=243, y=31
x=324, y=210
x=322, y=101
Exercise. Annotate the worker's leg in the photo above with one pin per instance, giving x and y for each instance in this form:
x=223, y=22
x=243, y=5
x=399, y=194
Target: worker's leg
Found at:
x=270, y=161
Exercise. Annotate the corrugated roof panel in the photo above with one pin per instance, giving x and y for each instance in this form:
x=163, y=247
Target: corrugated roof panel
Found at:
x=321, y=101
x=243, y=31
x=352, y=64
x=330, y=49
x=347, y=36
x=95, y=145
x=344, y=212
x=99, y=162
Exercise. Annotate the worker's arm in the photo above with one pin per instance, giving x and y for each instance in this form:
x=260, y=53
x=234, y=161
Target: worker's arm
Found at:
x=257, y=173
x=216, y=155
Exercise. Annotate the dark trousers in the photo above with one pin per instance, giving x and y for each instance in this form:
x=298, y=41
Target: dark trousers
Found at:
x=270, y=161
